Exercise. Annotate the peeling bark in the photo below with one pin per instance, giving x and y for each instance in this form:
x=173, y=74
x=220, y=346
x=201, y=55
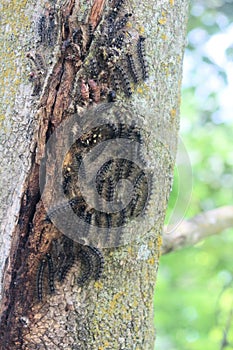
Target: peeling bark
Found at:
x=115, y=311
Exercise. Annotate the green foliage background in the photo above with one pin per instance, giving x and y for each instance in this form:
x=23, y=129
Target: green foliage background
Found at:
x=194, y=293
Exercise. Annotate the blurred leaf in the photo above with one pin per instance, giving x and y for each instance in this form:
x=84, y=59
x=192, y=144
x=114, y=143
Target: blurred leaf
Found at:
x=190, y=282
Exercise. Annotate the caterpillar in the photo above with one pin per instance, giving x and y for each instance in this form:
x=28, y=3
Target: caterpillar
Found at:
x=99, y=261
x=42, y=29
x=124, y=80
x=90, y=35
x=111, y=20
x=51, y=36
x=50, y=273
x=46, y=28
x=68, y=258
x=40, y=275
x=132, y=68
x=65, y=268
x=87, y=265
x=117, y=7
x=38, y=61
x=141, y=57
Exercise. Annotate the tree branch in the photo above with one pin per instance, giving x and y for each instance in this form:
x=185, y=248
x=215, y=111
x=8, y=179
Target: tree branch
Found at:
x=196, y=229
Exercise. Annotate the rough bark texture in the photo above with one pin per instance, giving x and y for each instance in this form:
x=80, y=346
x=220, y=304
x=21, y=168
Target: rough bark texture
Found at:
x=115, y=312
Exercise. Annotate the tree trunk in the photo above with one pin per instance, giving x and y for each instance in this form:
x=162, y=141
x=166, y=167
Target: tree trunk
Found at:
x=67, y=43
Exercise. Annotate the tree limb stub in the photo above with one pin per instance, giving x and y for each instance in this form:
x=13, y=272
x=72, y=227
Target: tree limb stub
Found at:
x=194, y=230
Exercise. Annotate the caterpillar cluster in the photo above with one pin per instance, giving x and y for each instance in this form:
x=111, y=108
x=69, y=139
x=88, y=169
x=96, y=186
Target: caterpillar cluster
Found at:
x=107, y=60
x=56, y=264
x=111, y=55
x=117, y=58
x=115, y=176
x=47, y=27
x=120, y=187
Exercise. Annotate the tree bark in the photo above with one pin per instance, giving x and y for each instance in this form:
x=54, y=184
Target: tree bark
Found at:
x=116, y=311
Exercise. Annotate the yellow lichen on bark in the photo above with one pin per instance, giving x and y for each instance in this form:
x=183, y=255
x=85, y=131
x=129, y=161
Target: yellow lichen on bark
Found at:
x=15, y=23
